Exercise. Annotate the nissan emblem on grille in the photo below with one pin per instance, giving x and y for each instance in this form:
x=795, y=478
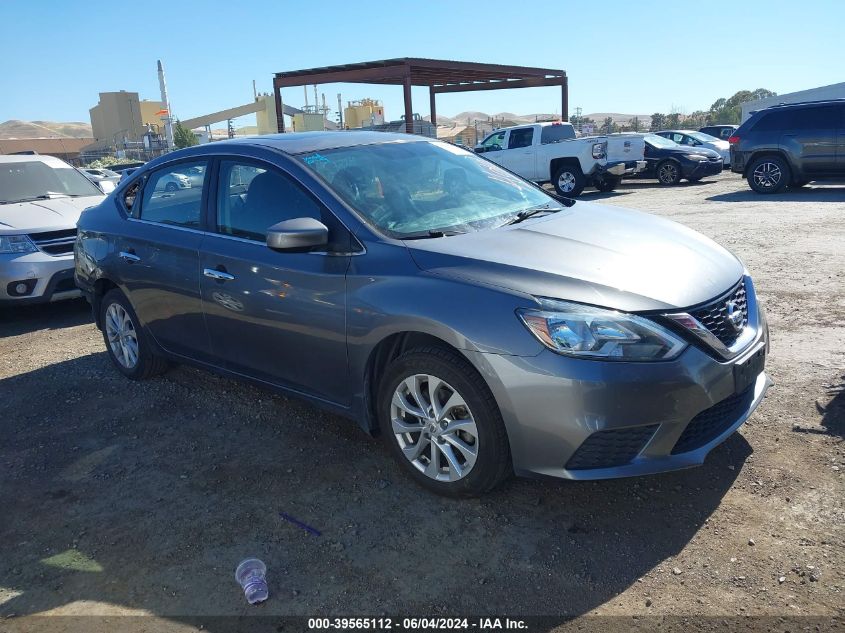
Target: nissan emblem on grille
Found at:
x=735, y=315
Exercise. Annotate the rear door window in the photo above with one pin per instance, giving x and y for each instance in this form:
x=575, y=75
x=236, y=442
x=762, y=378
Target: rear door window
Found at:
x=799, y=119
x=173, y=194
x=521, y=137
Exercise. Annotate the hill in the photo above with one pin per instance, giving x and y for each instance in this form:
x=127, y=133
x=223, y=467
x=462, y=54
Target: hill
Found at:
x=15, y=128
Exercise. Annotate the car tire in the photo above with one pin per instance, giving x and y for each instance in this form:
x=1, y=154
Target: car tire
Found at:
x=668, y=173
x=768, y=174
x=569, y=181
x=472, y=458
x=607, y=184
x=126, y=341
x=171, y=186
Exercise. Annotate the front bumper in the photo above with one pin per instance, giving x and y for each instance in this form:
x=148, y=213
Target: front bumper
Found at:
x=628, y=168
x=649, y=413
x=52, y=277
x=702, y=168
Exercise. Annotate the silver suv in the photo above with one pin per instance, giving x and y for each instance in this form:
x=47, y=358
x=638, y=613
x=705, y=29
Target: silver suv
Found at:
x=41, y=198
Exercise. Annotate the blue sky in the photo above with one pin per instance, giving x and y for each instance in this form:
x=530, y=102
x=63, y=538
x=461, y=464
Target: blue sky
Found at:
x=620, y=56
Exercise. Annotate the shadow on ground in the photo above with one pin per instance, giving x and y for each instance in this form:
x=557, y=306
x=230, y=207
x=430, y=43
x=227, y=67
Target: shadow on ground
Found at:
x=810, y=193
x=833, y=413
x=147, y=495
x=18, y=320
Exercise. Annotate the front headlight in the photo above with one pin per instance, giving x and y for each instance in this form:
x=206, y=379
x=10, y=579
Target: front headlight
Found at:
x=16, y=244
x=696, y=157
x=587, y=332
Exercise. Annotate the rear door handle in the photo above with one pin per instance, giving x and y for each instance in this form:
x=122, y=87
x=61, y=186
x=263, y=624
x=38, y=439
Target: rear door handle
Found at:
x=129, y=257
x=217, y=274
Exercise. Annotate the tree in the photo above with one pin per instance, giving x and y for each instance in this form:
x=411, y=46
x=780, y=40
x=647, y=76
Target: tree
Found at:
x=673, y=121
x=182, y=136
x=658, y=122
x=730, y=110
x=635, y=124
x=607, y=125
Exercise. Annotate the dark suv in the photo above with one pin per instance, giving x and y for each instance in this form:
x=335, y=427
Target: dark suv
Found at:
x=789, y=145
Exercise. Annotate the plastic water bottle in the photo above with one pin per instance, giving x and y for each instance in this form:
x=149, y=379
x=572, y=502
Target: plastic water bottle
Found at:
x=250, y=575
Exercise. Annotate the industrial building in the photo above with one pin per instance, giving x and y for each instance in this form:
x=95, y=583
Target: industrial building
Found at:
x=822, y=93
x=465, y=135
x=121, y=117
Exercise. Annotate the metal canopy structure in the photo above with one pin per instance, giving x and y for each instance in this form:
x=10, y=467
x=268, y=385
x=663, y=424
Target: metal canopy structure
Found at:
x=440, y=76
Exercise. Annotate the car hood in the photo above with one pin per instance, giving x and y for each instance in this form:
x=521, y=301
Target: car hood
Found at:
x=44, y=215
x=589, y=253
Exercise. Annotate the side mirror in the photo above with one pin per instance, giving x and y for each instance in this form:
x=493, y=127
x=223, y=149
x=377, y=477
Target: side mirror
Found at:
x=297, y=234
x=478, y=149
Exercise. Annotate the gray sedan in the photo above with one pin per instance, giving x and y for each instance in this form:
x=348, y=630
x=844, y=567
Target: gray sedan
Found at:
x=481, y=325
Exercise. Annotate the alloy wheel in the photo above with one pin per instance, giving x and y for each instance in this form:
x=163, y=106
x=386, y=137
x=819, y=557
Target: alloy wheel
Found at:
x=434, y=427
x=767, y=175
x=123, y=339
x=566, y=181
x=668, y=173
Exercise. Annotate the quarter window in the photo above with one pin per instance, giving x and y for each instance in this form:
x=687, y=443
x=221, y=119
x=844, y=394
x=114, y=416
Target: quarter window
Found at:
x=251, y=199
x=173, y=194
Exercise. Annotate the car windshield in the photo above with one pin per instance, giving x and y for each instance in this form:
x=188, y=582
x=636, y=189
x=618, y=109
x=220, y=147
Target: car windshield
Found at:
x=33, y=180
x=410, y=189
x=701, y=136
x=659, y=141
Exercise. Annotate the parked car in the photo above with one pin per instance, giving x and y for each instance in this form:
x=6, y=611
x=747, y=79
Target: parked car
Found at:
x=669, y=162
x=480, y=322
x=126, y=172
x=551, y=152
x=722, y=132
x=790, y=145
x=699, y=139
x=105, y=179
x=41, y=198
x=173, y=182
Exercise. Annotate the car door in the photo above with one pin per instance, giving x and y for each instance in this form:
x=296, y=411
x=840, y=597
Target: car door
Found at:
x=840, y=141
x=158, y=260
x=811, y=134
x=520, y=156
x=275, y=316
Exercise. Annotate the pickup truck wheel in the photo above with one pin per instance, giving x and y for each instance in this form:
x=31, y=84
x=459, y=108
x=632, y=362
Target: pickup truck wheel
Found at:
x=768, y=174
x=668, y=173
x=606, y=184
x=569, y=181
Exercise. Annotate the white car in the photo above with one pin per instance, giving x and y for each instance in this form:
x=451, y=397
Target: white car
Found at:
x=691, y=138
x=173, y=182
x=552, y=152
x=41, y=199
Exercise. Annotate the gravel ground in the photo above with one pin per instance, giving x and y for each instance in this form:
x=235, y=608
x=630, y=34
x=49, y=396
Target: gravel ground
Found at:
x=140, y=498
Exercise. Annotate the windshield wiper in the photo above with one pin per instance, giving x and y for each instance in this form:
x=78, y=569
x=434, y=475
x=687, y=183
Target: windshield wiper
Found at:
x=531, y=212
x=430, y=234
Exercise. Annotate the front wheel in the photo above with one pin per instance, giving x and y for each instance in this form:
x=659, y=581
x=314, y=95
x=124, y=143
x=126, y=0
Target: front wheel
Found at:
x=442, y=424
x=768, y=174
x=569, y=181
x=606, y=184
x=668, y=173
x=126, y=342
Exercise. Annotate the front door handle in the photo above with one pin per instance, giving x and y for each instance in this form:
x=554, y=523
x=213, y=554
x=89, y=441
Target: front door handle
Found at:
x=129, y=257
x=219, y=275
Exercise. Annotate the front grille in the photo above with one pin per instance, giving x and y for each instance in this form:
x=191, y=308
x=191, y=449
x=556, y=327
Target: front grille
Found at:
x=55, y=242
x=712, y=422
x=714, y=316
x=613, y=447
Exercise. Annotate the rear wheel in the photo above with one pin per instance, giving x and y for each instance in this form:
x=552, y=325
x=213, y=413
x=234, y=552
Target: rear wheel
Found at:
x=668, y=173
x=441, y=423
x=768, y=174
x=606, y=184
x=126, y=342
x=568, y=181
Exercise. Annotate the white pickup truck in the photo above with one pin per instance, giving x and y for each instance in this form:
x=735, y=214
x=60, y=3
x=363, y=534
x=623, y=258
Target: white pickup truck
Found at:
x=552, y=152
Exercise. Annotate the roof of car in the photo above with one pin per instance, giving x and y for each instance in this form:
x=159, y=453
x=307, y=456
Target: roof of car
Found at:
x=29, y=158
x=302, y=142
x=801, y=104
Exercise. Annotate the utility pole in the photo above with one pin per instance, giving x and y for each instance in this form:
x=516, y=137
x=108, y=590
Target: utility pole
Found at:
x=168, y=118
x=339, y=112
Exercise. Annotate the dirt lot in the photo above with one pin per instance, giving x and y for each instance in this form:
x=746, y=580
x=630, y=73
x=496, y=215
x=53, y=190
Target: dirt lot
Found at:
x=118, y=497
